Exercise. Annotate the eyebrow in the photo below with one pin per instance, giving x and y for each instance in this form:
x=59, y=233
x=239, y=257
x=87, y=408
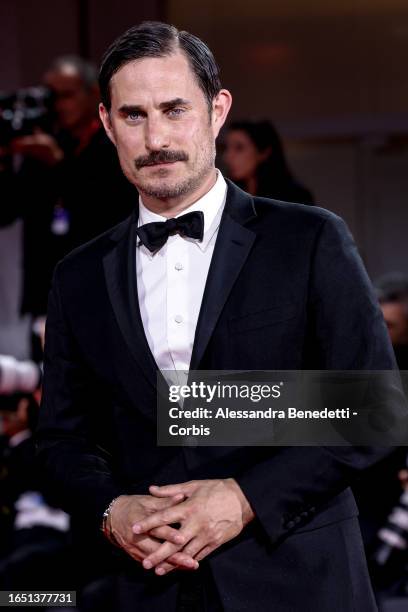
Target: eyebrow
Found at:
x=135, y=108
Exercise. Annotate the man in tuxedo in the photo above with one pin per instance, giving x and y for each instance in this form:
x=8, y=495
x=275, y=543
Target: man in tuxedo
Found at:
x=203, y=276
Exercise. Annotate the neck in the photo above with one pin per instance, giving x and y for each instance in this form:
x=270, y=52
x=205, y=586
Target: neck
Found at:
x=170, y=207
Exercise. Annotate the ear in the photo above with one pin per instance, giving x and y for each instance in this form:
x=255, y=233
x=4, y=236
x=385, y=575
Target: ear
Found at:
x=220, y=109
x=106, y=121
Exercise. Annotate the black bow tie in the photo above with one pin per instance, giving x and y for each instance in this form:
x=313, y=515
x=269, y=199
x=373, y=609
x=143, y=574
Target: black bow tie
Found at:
x=154, y=235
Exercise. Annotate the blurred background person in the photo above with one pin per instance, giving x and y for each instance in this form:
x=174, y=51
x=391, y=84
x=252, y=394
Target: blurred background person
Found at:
x=382, y=496
x=392, y=292
x=256, y=162
x=39, y=544
x=62, y=177
x=36, y=548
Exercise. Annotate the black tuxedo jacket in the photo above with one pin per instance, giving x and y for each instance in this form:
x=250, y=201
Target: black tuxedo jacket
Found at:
x=286, y=290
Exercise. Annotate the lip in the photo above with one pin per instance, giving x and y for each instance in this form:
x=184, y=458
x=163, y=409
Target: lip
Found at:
x=169, y=163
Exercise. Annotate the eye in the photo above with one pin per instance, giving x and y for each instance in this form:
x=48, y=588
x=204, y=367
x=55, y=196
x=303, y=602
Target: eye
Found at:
x=133, y=116
x=175, y=112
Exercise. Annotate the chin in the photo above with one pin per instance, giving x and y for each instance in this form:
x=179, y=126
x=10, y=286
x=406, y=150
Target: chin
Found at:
x=160, y=189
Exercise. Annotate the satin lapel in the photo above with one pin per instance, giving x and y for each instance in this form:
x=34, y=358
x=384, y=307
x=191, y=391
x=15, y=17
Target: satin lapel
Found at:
x=120, y=274
x=234, y=242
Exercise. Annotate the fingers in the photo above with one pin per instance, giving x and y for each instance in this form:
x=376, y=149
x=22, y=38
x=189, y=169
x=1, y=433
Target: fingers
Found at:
x=170, y=515
x=165, y=569
x=176, y=563
x=168, y=501
x=152, y=503
x=194, y=546
x=204, y=552
x=184, y=557
x=168, y=490
x=167, y=549
x=173, y=558
x=143, y=546
x=168, y=533
x=161, y=554
x=181, y=559
x=139, y=549
x=182, y=562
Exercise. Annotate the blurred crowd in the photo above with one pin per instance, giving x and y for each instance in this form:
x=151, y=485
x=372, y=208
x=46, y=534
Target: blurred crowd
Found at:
x=60, y=175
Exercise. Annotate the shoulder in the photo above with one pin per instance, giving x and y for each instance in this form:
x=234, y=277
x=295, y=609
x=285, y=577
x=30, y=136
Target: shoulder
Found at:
x=284, y=221
x=297, y=217
x=273, y=210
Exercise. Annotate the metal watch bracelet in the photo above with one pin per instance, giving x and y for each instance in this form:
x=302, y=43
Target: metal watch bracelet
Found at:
x=104, y=527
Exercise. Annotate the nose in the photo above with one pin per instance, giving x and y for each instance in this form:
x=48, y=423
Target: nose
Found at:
x=157, y=135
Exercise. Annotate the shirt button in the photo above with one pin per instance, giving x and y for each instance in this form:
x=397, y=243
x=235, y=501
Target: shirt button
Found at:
x=178, y=266
x=178, y=319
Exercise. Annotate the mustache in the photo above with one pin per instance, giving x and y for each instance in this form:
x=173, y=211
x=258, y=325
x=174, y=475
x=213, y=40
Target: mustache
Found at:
x=157, y=157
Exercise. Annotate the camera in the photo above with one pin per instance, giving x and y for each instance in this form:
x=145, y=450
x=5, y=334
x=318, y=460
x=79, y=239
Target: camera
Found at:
x=24, y=110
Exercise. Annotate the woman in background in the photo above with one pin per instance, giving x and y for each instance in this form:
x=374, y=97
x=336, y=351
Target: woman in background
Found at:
x=255, y=161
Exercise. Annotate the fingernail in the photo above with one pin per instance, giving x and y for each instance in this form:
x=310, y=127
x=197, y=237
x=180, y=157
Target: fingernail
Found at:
x=136, y=528
x=160, y=571
x=179, y=539
x=147, y=564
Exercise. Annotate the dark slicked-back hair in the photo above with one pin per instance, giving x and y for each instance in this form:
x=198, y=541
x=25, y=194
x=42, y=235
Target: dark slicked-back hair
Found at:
x=156, y=39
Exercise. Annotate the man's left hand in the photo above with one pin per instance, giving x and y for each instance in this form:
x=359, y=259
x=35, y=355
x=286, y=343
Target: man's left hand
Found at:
x=214, y=512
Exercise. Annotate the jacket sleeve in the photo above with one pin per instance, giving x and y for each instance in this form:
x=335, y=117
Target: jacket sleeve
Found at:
x=347, y=333
x=79, y=472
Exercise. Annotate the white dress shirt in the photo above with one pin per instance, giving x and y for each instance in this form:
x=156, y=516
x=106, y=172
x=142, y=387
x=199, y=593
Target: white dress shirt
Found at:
x=171, y=281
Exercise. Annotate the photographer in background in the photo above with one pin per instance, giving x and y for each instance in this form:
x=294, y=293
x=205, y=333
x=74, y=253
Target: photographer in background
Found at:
x=392, y=292
x=383, y=505
x=63, y=178
x=36, y=547
x=38, y=543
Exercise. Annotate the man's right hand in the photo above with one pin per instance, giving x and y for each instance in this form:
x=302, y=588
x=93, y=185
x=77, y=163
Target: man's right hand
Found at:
x=129, y=509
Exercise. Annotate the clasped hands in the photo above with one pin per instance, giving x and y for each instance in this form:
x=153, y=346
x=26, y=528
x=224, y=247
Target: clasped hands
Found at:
x=177, y=525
